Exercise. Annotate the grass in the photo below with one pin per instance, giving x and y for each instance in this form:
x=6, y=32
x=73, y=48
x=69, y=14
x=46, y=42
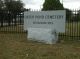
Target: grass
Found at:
x=17, y=28
x=16, y=46
x=73, y=29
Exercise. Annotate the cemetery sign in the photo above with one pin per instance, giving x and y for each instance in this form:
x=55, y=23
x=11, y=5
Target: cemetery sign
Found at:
x=45, y=19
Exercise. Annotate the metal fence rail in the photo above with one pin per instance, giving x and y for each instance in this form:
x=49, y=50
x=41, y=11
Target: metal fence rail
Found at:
x=9, y=23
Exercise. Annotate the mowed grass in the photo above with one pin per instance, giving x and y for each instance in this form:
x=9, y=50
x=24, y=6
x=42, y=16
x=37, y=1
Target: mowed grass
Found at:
x=73, y=29
x=15, y=45
x=17, y=28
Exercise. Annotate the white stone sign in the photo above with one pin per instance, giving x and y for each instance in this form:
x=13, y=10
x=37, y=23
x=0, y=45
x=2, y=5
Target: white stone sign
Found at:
x=42, y=35
x=45, y=19
x=44, y=26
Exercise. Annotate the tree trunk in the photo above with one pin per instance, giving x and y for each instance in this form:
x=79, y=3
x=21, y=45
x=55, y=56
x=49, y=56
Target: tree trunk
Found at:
x=1, y=23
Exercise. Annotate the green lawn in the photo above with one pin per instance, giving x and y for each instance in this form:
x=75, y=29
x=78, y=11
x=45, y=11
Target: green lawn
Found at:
x=73, y=29
x=16, y=46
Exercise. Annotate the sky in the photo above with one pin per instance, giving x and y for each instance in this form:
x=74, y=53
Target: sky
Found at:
x=37, y=4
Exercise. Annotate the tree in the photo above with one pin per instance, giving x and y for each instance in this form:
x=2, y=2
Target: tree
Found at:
x=56, y=5
x=77, y=17
x=1, y=12
x=1, y=4
x=68, y=15
x=52, y=5
x=14, y=7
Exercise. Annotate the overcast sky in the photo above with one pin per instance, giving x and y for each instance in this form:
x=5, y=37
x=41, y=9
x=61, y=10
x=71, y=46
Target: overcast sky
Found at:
x=37, y=4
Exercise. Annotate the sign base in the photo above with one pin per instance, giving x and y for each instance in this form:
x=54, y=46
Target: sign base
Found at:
x=47, y=36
